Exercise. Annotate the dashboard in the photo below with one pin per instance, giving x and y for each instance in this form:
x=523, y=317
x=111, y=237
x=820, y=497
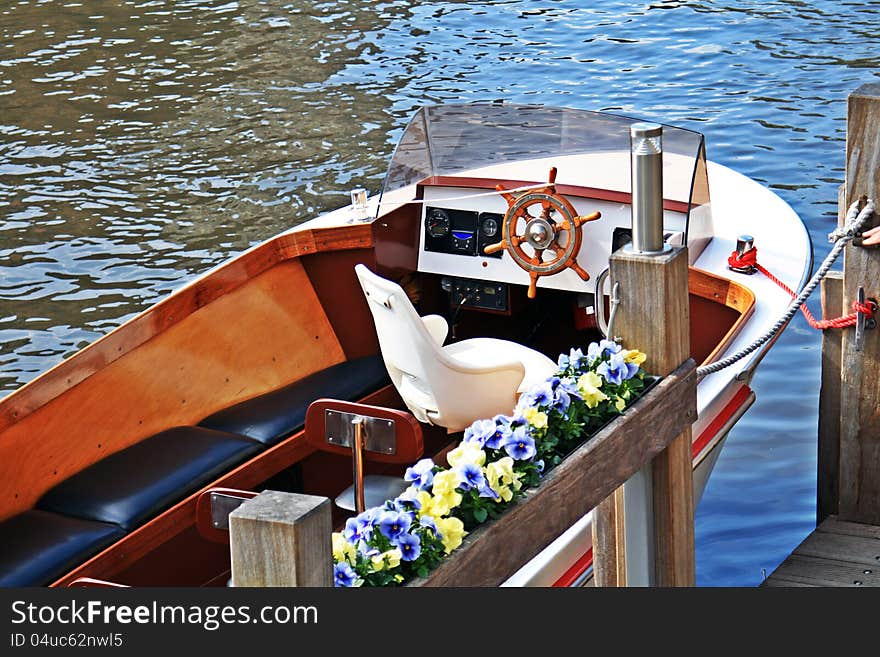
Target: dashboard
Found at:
x=457, y=223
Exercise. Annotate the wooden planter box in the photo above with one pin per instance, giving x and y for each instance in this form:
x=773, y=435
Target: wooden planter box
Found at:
x=497, y=549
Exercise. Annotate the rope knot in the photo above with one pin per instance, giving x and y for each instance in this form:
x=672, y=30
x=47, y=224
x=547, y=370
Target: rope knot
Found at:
x=743, y=261
x=866, y=308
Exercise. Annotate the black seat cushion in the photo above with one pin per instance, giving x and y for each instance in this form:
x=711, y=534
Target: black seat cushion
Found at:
x=37, y=547
x=135, y=484
x=280, y=413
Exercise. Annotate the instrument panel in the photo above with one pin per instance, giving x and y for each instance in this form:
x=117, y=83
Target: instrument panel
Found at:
x=461, y=232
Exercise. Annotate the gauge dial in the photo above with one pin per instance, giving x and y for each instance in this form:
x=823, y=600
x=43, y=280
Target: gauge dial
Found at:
x=437, y=223
x=489, y=227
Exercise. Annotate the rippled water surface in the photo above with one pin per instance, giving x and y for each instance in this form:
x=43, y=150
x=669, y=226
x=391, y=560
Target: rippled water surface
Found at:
x=143, y=142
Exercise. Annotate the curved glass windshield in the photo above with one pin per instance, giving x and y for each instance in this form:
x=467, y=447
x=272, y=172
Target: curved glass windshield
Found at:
x=475, y=139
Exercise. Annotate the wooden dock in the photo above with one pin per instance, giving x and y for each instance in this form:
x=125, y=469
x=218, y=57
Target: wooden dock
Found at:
x=837, y=553
x=844, y=550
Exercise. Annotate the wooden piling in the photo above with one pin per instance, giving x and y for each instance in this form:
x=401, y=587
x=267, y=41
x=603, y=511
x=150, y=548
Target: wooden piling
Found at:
x=844, y=550
x=829, y=401
x=860, y=369
x=281, y=539
x=654, y=317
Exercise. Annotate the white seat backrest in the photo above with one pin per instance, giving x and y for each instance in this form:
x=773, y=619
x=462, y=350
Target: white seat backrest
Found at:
x=409, y=351
x=436, y=387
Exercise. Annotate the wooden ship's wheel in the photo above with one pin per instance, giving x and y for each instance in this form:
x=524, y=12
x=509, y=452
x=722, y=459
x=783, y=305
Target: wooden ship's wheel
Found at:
x=543, y=233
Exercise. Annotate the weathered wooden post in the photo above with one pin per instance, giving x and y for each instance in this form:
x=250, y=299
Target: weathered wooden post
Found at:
x=654, y=317
x=859, y=482
x=281, y=539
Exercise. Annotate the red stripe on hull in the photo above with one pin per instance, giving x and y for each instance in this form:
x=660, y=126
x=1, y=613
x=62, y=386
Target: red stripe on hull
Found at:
x=580, y=566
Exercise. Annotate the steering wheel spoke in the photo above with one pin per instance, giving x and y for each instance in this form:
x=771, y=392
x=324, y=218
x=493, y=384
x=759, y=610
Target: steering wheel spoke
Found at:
x=581, y=220
x=580, y=271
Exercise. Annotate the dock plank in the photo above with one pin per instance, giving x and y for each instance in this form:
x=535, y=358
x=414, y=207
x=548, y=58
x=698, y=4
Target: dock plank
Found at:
x=824, y=572
x=837, y=553
x=836, y=526
x=778, y=582
x=851, y=549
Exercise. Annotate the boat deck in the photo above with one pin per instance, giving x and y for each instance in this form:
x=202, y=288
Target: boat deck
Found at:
x=837, y=553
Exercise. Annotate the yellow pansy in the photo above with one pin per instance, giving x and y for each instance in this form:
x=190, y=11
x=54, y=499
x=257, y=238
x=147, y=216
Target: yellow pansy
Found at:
x=500, y=472
x=441, y=505
x=389, y=559
x=445, y=482
x=634, y=356
x=437, y=505
x=536, y=418
x=466, y=453
x=619, y=404
x=452, y=531
x=588, y=385
x=425, y=500
x=504, y=493
x=517, y=484
x=342, y=549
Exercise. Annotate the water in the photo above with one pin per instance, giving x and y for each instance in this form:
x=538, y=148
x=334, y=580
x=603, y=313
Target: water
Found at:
x=143, y=142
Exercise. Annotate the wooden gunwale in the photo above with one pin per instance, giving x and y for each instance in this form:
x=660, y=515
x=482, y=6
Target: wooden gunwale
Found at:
x=174, y=309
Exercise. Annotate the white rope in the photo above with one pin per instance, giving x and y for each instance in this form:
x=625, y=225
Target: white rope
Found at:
x=840, y=236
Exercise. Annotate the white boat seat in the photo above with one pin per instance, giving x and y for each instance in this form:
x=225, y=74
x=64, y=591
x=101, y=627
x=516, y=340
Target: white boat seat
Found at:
x=447, y=386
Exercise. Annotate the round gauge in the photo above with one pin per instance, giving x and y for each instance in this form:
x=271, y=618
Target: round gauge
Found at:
x=490, y=227
x=437, y=222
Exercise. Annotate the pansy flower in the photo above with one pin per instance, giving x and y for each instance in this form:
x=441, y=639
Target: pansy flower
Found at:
x=421, y=474
x=520, y=446
x=343, y=575
x=410, y=547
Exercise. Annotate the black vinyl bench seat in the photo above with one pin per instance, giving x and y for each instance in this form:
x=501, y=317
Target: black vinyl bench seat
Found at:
x=137, y=483
x=38, y=547
x=280, y=413
x=96, y=507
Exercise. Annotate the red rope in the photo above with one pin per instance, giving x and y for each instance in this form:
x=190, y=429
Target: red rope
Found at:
x=750, y=259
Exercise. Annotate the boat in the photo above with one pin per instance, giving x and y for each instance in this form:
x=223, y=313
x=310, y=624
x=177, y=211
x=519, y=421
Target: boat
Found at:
x=117, y=461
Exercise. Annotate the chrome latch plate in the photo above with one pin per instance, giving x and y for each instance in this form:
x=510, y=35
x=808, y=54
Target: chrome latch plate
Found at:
x=380, y=434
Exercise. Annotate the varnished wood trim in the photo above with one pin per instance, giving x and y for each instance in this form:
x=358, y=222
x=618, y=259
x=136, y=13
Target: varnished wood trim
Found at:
x=725, y=291
x=577, y=191
x=175, y=308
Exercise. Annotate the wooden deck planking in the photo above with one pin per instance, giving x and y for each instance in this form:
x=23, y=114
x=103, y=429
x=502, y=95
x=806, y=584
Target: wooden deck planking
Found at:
x=837, y=553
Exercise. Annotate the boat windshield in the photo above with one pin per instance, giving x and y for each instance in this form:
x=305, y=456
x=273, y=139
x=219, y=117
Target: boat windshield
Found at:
x=589, y=149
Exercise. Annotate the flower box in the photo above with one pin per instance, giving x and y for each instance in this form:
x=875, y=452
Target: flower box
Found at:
x=517, y=482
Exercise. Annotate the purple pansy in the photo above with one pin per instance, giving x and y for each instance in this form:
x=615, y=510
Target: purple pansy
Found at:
x=428, y=522
x=393, y=524
x=410, y=547
x=343, y=575
x=502, y=431
x=617, y=370
x=473, y=478
x=538, y=395
x=576, y=359
x=520, y=446
x=359, y=528
x=421, y=474
x=597, y=350
x=480, y=432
